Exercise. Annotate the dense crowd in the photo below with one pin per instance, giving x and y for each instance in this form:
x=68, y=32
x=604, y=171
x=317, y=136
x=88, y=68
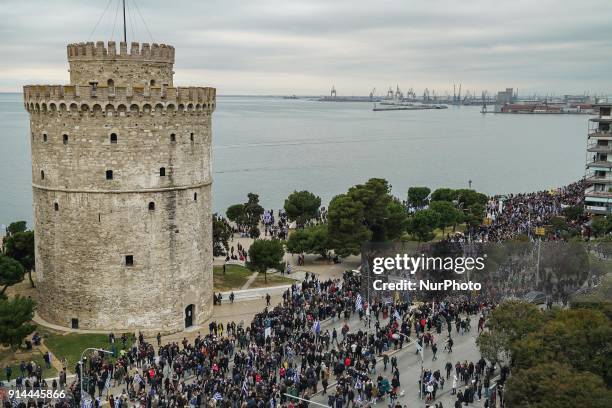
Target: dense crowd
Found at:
x=285, y=355
x=519, y=214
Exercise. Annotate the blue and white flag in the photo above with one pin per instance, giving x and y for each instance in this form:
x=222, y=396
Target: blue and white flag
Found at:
x=316, y=327
x=358, y=302
x=397, y=315
x=218, y=396
x=245, y=388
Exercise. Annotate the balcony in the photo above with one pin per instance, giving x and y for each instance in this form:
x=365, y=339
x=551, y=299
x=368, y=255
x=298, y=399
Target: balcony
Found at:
x=600, y=164
x=600, y=134
x=597, y=209
x=597, y=148
x=591, y=192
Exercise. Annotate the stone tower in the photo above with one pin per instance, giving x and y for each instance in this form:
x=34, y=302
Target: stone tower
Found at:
x=121, y=176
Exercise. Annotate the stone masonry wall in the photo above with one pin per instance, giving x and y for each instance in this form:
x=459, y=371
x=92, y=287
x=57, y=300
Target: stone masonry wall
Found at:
x=87, y=225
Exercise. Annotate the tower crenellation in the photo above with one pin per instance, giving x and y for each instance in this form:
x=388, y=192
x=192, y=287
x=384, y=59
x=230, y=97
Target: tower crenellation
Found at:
x=104, y=65
x=121, y=178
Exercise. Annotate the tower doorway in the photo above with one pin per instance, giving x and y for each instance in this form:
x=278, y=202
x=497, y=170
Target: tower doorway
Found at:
x=189, y=316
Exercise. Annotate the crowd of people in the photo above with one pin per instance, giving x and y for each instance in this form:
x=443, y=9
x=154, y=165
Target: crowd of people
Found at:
x=518, y=214
x=275, y=227
x=288, y=353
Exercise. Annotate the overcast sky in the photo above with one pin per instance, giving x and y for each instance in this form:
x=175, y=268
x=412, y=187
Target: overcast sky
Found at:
x=306, y=46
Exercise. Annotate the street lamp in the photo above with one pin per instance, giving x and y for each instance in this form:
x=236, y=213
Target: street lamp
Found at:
x=81, y=364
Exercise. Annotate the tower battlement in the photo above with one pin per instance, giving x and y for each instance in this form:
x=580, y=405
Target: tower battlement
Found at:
x=104, y=64
x=85, y=51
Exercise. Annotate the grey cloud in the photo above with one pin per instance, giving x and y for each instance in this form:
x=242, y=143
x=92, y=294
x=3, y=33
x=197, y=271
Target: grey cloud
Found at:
x=289, y=46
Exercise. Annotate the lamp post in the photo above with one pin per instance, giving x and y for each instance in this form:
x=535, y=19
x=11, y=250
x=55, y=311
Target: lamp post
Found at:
x=81, y=364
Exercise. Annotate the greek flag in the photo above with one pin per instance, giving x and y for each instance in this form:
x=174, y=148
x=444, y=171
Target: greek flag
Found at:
x=316, y=327
x=245, y=388
x=397, y=315
x=218, y=396
x=296, y=377
x=358, y=302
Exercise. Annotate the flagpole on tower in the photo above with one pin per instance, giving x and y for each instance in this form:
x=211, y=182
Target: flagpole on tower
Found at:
x=124, y=27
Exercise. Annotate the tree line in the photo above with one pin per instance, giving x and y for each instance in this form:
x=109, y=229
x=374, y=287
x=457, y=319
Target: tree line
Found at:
x=16, y=260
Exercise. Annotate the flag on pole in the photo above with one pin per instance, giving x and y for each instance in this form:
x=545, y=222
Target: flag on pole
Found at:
x=397, y=315
x=316, y=327
x=358, y=302
x=419, y=349
x=245, y=388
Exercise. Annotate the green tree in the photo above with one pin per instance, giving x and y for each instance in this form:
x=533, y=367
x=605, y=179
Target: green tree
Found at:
x=15, y=227
x=513, y=320
x=222, y=232
x=15, y=317
x=602, y=225
x=11, y=272
x=265, y=254
x=235, y=213
x=474, y=215
x=346, y=227
x=310, y=240
x=577, y=337
x=573, y=212
x=20, y=246
x=493, y=346
x=443, y=194
x=422, y=224
x=302, y=206
x=555, y=385
x=253, y=212
x=466, y=197
x=380, y=209
x=448, y=213
x=417, y=196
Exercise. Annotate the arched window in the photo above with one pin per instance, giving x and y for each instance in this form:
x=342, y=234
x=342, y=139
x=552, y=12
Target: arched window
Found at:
x=65, y=139
x=129, y=260
x=195, y=196
x=113, y=138
x=162, y=171
x=44, y=137
x=42, y=175
x=109, y=174
x=111, y=86
x=152, y=83
x=151, y=206
x=173, y=137
x=56, y=206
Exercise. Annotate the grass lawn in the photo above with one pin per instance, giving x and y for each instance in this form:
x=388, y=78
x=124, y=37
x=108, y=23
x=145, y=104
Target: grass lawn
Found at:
x=70, y=346
x=36, y=357
x=274, y=279
x=235, y=276
x=11, y=358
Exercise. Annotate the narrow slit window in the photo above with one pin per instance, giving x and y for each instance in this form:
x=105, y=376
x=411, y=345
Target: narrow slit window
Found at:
x=173, y=137
x=162, y=171
x=129, y=260
x=151, y=206
x=56, y=206
x=113, y=138
x=44, y=137
x=109, y=174
x=42, y=175
x=191, y=136
x=195, y=196
x=65, y=139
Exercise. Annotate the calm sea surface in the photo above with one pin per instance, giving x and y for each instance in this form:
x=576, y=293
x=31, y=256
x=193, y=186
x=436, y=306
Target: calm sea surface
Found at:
x=273, y=146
